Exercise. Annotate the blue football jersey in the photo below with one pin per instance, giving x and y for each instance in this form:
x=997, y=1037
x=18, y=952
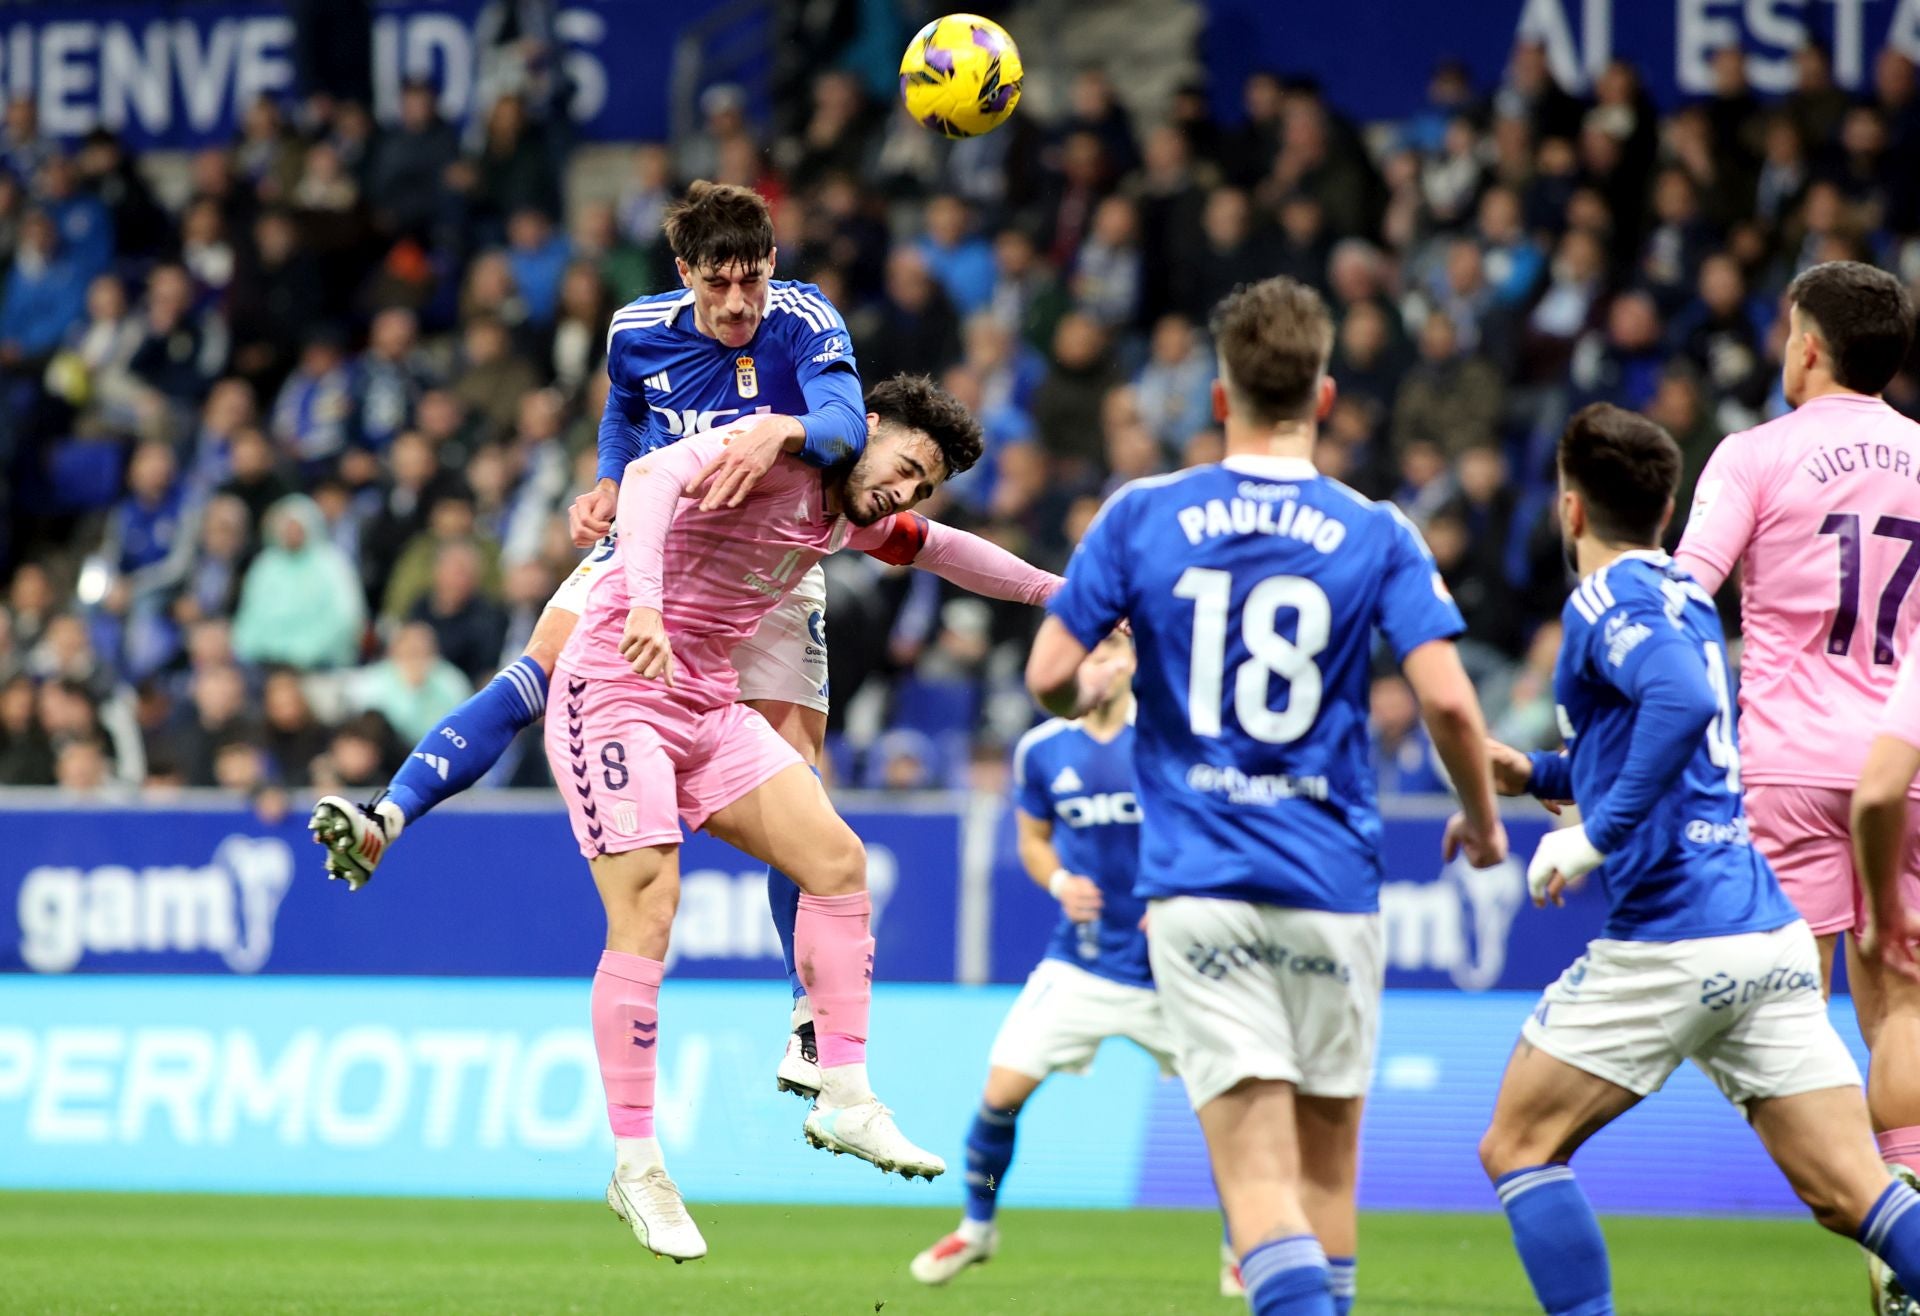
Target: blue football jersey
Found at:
x=1689, y=869
x=667, y=379
x=1084, y=787
x=1254, y=588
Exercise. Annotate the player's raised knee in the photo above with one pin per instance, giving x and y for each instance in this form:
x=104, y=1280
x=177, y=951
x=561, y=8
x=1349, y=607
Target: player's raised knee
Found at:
x=836, y=867
x=1504, y=1150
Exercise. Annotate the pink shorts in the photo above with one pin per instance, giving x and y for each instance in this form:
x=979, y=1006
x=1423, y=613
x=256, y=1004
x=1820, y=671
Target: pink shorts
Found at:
x=634, y=762
x=1806, y=833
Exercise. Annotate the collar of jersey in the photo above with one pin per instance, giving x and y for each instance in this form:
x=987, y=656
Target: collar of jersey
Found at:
x=1846, y=398
x=1274, y=468
x=1657, y=556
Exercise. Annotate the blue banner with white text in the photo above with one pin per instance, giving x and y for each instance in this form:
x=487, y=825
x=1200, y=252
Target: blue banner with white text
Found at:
x=181, y=74
x=481, y=893
x=1374, y=57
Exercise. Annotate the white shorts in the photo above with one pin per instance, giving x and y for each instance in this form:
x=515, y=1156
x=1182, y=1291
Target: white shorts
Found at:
x=1064, y=1013
x=785, y=659
x=1260, y=992
x=1747, y=1009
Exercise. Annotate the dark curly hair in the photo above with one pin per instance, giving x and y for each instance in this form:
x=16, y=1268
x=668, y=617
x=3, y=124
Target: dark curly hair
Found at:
x=915, y=402
x=719, y=224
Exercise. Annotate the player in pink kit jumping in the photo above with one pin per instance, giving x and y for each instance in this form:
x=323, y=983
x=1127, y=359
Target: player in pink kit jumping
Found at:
x=1820, y=510
x=644, y=733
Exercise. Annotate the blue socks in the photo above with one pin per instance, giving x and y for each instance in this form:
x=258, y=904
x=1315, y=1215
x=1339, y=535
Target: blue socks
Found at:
x=989, y=1153
x=783, y=900
x=1559, y=1240
x=470, y=739
x=1287, y=1277
x=1342, y=1280
x=1891, y=1232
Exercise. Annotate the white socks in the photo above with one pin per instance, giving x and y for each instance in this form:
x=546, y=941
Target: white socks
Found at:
x=802, y=1013
x=633, y=1157
x=974, y=1231
x=394, y=818
x=844, y=1085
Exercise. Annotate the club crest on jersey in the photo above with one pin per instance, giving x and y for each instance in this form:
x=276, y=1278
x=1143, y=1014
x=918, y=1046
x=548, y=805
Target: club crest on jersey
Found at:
x=746, y=380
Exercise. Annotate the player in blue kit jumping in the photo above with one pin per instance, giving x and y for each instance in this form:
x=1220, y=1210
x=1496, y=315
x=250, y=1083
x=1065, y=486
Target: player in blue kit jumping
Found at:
x=733, y=342
x=1254, y=588
x=1702, y=957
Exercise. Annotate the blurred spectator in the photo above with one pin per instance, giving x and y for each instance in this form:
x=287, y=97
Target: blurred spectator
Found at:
x=1066, y=406
x=1107, y=275
x=1228, y=255
x=838, y=134
x=180, y=352
x=1368, y=362
x=387, y=379
x=212, y=586
x=1623, y=365
x=1027, y=298
x=492, y=376
x=1718, y=332
x=914, y=329
x=1448, y=399
x=1084, y=178
x=1093, y=108
x=216, y=715
x=313, y=416
x=292, y=736
x=301, y=603
x=46, y=295
x=409, y=162
x=514, y=171
x=255, y=477
x=628, y=267
x=85, y=227
x=468, y=627
x=413, y=687
x=578, y=349
x=451, y=520
x=538, y=255
x=1815, y=105
x=108, y=172
x=1174, y=388
x=277, y=297
x=958, y=258
x=26, y=752
x=648, y=193
x=359, y=757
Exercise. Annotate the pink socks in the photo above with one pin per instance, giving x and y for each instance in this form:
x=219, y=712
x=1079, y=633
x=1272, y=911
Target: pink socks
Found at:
x=834, y=952
x=1897, y=1146
x=626, y=1033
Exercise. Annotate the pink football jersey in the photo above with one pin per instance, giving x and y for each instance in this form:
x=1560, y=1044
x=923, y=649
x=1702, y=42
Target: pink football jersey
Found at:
x=1820, y=509
x=717, y=574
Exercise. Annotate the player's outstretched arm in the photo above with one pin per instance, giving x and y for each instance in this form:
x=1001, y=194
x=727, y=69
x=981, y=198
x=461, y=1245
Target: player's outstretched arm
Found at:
x=1879, y=846
x=976, y=565
x=1451, y=711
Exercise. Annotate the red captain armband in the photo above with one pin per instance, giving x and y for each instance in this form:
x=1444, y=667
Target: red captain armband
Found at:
x=904, y=542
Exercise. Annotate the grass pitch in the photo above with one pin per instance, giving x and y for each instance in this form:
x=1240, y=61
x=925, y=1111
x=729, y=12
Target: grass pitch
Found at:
x=63, y=1253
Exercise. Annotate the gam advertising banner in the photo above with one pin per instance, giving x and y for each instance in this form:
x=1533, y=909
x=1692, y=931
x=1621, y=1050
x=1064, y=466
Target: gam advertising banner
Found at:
x=489, y=1087
x=469, y=892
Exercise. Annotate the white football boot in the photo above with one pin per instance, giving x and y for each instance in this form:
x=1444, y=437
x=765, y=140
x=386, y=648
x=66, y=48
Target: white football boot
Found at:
x=866, y=1129
x=356, y=836
x=953, y=1254
x=651, y=1203
x=799, y=1071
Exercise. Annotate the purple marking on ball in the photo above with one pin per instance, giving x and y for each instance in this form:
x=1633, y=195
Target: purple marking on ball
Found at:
x=998, y=101
x=936, y=123
x=986, y=40
x=939, y=57
x=903, y=84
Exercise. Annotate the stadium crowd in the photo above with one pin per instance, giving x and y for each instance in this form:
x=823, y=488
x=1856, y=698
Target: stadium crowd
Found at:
x=284, y=471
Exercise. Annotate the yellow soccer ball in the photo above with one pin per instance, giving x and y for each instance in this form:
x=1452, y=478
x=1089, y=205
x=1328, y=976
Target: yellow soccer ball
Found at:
x=961, y=75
